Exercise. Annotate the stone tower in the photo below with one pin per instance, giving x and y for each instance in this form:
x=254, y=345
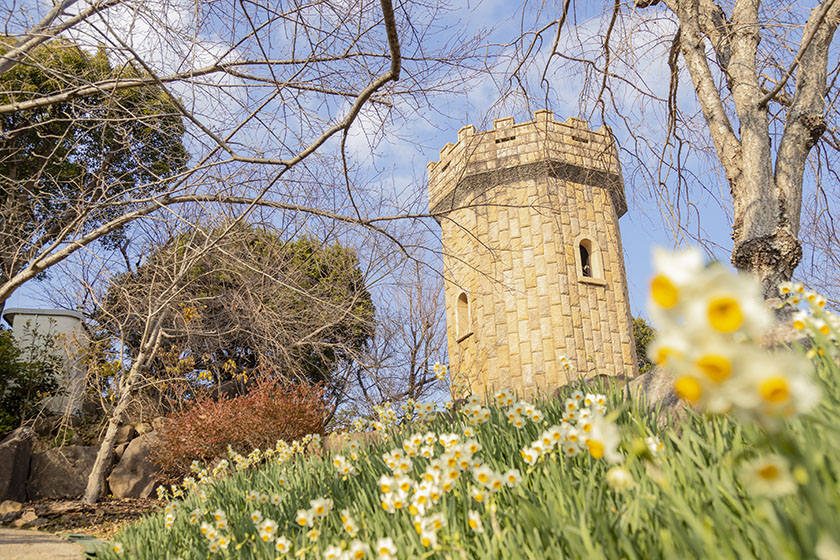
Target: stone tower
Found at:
x=533, y=262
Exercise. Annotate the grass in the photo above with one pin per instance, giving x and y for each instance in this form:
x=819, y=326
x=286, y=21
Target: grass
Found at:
x=688, y=501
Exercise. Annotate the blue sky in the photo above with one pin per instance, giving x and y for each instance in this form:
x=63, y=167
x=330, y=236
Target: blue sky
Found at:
x=397, y=163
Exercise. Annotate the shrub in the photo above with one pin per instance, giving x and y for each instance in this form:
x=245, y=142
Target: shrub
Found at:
x=270, y=412
x=25, y=380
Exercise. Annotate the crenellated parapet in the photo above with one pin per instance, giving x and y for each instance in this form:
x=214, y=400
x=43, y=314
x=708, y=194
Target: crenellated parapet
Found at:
x=510, y=152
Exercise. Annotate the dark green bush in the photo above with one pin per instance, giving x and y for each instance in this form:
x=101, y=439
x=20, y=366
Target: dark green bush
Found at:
x=25, y=381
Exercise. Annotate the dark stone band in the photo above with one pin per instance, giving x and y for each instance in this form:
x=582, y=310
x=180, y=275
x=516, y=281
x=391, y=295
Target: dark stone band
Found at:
x=473, y=186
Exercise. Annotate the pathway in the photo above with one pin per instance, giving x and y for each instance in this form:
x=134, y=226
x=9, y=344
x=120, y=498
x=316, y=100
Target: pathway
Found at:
x=23, y=544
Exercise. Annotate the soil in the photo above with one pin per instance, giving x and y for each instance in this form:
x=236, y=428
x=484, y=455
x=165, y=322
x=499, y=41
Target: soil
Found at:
x=101, y=520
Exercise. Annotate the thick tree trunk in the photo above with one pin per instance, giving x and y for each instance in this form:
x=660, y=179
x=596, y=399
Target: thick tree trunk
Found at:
x=772, y=258
x=766, y=187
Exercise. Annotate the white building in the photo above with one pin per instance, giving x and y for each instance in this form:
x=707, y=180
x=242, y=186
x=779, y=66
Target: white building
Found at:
x=31, y=327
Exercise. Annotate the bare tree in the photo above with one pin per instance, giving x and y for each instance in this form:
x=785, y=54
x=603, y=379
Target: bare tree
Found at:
x=267, y=93
x=763, y=85
x=410, y=338
x=150, y=313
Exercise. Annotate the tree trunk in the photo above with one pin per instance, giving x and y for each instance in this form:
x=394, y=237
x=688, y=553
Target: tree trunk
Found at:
x=771, y=257
x=766, y=187
x=96, y=479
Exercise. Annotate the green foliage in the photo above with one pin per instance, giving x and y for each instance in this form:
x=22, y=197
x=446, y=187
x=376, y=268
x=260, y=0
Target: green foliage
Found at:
x=643, y=334
x=78, y=162
x=25, y=380
x=689, y=500
x=255, y=303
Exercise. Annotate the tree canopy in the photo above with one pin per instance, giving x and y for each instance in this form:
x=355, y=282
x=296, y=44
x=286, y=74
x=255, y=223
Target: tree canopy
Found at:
x=72, y=165
x=254, y=304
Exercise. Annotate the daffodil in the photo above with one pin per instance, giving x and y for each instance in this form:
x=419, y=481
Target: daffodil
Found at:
x=620, y=479
x=386, y=549
x=474, y=521
x=673, y=275
x=321, y=506
x=603, y=441
x=769, y=476
x=654, y=445
x=305, y=518
x=282, y=545
x=332, y=552
x=267, y=529
x=428, y=539
x=512, y=477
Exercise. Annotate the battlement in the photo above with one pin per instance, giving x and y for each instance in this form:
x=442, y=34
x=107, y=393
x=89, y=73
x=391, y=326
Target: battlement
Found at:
x=561, y=149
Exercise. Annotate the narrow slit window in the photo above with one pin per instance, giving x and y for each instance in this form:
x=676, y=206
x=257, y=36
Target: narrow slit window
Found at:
x=462, y=316
x=589, y=261
x=585, y=262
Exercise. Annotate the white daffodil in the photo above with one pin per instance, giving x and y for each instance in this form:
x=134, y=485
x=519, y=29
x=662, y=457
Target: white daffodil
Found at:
x=386, y=549
x=673, y=274
x=603, y=441
x=305, y=518
x=768, y=476
x=332, y=552
x=620, y=479
x=321, y=506
x=282, y=545
x=474, y=521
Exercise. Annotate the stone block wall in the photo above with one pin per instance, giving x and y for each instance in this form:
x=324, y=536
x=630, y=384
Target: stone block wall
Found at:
x=514, y=204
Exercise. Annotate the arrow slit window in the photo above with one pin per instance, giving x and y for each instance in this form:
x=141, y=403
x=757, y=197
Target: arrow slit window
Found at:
x=463, y=325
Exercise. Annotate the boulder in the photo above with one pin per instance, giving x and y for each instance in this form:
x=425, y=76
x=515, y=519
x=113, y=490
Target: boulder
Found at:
x=61, y=472
x=59, y=508
x=119, y=450
x=28, y=517
x=656, y=390
x=125, y=433
x=656, y=387
x=46, y=426
x=159, y=423
x=9, y=518
x=135, y=475
x=15, y=454
x=10, y=506
x=143, y=428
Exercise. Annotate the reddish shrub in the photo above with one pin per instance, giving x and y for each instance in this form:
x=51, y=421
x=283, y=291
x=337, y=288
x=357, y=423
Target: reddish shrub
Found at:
x=269, y=412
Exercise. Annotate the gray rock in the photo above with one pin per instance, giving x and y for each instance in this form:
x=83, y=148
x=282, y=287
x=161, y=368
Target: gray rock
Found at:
x=39, y=522
x=9, y=518
x=15, y=453
x=655, y=389
x=55, y=509
x=10, y=506
x=46, y=426
x=61, y=472
x=135, y=475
